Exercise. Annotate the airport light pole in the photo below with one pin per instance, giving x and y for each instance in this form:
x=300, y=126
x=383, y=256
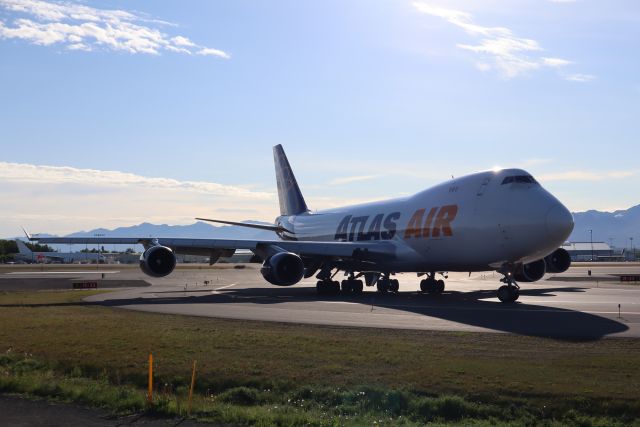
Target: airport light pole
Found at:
x=633, y=253
x=98, y=260
x=591, y=238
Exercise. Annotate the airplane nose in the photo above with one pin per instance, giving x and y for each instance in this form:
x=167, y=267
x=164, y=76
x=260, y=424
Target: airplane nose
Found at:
x=559, y=222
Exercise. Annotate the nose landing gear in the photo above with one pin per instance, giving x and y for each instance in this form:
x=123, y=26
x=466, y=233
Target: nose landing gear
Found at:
x=510, y=291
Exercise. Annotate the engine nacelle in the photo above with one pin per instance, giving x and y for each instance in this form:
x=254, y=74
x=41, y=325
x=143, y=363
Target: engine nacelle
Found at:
x=158, y=261
x=558, y=262
x=283, y=269
x=531, y=272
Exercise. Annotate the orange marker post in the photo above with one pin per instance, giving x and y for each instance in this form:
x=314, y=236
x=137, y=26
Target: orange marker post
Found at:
x=193, y=381
x=150, y=393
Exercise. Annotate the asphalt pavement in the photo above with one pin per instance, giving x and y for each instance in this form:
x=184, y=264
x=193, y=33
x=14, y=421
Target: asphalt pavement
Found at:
x=569, y=305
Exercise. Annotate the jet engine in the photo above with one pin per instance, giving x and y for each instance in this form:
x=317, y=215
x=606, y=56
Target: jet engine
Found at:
x=158, y=261
x=559, y=261
x=531, y=272
x=283, y=269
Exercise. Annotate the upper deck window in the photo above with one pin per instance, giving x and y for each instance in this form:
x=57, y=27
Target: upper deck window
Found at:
x=519, y=179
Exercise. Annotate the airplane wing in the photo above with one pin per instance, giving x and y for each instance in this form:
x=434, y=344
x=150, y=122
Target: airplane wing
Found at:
x=362, y=251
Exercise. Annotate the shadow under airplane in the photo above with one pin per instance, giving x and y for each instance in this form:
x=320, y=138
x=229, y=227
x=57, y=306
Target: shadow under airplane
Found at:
x=469, y=308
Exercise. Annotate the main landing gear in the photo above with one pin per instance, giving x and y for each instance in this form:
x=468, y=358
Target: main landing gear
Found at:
x=432, y=286
x=350, y=286
x=385, y=285
x=510, y=291
x=328, y=287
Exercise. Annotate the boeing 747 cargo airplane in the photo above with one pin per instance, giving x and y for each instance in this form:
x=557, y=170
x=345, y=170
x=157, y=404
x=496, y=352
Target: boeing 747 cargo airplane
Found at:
x=497, y=220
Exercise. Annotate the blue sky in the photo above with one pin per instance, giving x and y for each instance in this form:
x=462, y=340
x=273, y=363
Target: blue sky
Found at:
x=115, y=112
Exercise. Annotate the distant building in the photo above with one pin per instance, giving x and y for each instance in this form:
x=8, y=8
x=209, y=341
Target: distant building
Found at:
x=587, y=251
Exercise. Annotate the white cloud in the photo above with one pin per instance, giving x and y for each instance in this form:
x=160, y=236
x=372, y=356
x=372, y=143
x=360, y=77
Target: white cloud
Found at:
x=555, y=62
x=483, y=66
x=213, y=52
x=512, y=56
x=61, y=200
x=580, y=78
x=21, y=172
x=57, y=199
x=80, y=27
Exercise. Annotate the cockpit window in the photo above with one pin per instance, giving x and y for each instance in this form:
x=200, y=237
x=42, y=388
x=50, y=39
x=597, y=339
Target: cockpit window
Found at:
x=519, y=179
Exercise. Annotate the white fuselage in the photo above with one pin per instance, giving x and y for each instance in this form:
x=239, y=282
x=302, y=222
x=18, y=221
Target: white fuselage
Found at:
x=477, y=222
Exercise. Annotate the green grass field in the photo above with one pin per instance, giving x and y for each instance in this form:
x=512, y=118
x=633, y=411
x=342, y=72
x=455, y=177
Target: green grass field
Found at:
x=283, y=374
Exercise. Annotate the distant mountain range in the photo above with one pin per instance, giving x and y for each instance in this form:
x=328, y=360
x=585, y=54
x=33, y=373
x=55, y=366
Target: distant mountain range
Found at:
x=198, y=229
x=610, y=227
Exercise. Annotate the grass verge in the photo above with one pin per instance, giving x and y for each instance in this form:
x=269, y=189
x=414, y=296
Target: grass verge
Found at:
x=281, y=374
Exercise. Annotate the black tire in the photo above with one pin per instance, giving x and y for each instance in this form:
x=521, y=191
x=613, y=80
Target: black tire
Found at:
x=505, y=294
x=424, y=286
x=439, y=286
x=383, y=286
x=358, y=287
x=347, y=287
x=515, y=294
x=432, y=286
x=322, y=288
x=334, y=288
x=394, y=286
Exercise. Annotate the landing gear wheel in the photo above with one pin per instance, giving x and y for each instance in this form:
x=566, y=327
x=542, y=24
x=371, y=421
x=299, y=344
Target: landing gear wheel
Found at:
x=508, y=293
x=334, y=288
x=358, y=287
x=424, y=286
x=430, y=286
x=324, y=287
x=352, y=287
x=327, y=287
x=383, y=286
x=394, y=286
x=347, y=289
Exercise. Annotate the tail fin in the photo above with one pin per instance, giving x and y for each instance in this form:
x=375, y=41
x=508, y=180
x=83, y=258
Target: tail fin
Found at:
x=289, y=194
x=24, y=250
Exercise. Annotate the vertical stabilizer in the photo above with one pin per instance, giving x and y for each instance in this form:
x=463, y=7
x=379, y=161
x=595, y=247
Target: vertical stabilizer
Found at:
x=289, y=194
x=24, y=250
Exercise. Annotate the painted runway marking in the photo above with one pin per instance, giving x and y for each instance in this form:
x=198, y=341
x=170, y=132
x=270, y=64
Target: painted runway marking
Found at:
x=224, y=287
